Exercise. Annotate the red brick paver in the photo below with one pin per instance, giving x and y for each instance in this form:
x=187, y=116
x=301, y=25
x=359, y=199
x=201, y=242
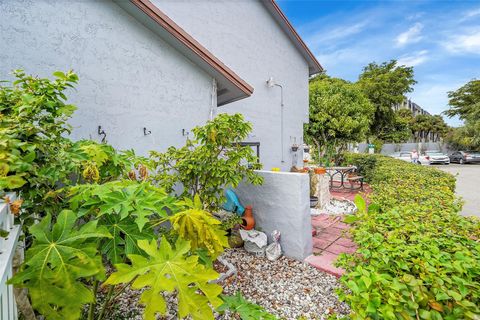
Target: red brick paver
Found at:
x=332, y=236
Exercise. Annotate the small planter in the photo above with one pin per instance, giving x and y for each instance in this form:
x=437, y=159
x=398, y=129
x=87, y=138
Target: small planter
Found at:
x=320, y=170
x=248, y=222
x=313, y=201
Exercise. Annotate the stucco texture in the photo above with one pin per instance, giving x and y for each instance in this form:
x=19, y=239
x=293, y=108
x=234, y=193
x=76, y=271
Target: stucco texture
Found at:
x=244, y=35
x=129, y=77
x=282, y=203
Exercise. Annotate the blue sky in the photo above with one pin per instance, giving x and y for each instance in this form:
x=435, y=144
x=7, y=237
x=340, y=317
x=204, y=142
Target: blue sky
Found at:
x=441, y=39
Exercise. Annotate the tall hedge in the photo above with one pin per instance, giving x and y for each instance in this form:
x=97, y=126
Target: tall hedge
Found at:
x=417, y=257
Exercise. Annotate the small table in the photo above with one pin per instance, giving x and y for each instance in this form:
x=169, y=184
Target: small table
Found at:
x=342, y=172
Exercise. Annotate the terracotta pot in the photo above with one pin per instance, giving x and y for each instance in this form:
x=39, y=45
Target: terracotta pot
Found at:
x=248, y=222
x=320, y=170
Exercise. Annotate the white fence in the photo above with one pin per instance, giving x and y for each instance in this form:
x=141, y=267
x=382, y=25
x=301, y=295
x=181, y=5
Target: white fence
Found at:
x=8, y=244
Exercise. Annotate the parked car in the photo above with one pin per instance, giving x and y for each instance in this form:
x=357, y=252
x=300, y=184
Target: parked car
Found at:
x=407, y=156
x=437, y=157
x=465, y=157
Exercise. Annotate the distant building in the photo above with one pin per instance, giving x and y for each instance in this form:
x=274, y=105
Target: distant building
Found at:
x=410, y=105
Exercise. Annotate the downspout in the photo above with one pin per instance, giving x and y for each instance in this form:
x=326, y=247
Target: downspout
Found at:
x=281, y=119
x=271, y=83
x=213, y=102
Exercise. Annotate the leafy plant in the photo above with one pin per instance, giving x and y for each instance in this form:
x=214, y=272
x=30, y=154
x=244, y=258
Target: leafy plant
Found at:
x=33, y=120
x=211, y=162
x=109, y=219
x=198, y=225
x=245, y=309
x=339, y=114
x=60, y=259
x=128, y=209
x=168, y=269
x=417, y=257
x=385, y=85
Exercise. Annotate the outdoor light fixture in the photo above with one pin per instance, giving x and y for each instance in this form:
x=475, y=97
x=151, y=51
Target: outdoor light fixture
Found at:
x=271, y=83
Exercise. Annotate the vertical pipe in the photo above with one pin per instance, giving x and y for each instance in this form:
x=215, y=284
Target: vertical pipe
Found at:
x=213, y=102
x=281, y=120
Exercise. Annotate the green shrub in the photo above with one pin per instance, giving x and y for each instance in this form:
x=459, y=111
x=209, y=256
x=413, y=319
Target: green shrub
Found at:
x=417, y=257
x=213, y=161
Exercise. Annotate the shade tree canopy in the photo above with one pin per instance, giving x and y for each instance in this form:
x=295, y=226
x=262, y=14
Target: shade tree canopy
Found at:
x=339, y=113
x=385, y=85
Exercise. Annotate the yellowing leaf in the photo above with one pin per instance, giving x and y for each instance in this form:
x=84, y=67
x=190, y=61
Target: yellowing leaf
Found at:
x=201, y=229
x=435, y=305
x=168, y=269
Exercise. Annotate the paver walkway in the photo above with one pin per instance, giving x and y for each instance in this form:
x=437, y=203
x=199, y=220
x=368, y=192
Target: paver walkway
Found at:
x=331, y=237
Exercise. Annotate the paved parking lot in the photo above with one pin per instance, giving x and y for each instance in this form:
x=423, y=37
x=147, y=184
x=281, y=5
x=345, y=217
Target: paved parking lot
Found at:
x=468, y=185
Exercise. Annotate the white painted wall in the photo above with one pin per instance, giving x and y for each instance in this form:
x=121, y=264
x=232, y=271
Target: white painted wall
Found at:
x=129, y=77
x=282, y=203
x=246, y=38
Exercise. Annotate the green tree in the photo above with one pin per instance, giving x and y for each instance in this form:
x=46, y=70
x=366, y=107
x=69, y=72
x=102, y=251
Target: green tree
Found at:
x=385, y=85
x=465, y=102
x=439, y=127
x=400, y=130
x=338, y=114
x=465, y=137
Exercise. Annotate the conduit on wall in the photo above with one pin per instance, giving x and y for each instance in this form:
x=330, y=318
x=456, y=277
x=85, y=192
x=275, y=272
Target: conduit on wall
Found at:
x=271, y=83
x=213, y=103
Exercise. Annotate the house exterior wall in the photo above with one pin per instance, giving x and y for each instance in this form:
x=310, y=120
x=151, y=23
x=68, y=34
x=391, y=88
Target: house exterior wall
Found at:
x=244, y=35
x=129, y=77
x=282, y=203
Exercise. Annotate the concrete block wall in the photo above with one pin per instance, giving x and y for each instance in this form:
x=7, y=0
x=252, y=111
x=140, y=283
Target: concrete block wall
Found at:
x=282, y=203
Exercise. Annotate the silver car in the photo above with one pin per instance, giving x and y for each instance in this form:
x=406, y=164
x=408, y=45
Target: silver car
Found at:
x=437, y=157
x=407, y=156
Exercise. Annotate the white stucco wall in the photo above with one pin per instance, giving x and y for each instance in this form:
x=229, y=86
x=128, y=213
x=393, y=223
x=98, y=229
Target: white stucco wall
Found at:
x=246, y=38
x=282, y=203
x=129, y=77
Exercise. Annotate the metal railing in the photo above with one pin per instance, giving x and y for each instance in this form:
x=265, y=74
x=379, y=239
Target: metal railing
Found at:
x=8, y=244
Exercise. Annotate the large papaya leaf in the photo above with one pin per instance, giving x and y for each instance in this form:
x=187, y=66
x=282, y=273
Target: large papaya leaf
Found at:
x=125, y=234
x=170, y=270
x=200, y=228
x=59, y=258
x=124, y=198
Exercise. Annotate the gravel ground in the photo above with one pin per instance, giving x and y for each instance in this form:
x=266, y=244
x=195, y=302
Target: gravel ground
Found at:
x=286, y=288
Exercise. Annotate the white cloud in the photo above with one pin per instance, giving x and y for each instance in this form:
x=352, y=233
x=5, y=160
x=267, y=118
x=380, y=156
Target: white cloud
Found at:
x=464, y=43
x=414, y=59
x=325, y=36
x=472, y=13
x=412, y=35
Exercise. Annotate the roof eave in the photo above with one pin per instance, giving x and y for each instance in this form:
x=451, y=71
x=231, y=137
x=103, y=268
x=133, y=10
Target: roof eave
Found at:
x=178, y=38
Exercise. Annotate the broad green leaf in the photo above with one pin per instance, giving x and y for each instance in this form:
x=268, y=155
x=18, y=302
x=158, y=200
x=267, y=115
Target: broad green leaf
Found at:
x=12, y=182
x=125, y=234
x=360, y=203
x=60, y=257
x=170, y=269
